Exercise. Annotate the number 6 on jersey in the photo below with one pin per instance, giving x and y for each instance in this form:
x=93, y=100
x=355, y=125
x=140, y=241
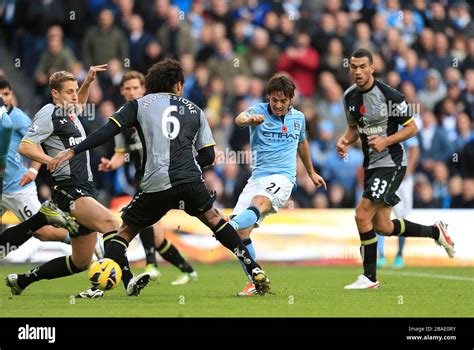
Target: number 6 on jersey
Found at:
x=168, y=118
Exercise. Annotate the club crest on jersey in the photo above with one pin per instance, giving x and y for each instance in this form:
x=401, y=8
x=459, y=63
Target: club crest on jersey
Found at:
x=284, y=128
x=297, y=125
x=364, y=122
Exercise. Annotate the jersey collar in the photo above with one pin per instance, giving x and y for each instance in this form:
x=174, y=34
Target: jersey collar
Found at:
x=269, y=110
x=370, y=88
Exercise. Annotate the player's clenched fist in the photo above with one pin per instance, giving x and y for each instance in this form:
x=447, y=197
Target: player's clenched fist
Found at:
x=255, y=120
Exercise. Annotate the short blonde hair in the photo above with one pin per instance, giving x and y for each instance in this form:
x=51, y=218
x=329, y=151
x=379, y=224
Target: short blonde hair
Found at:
x=57, y=79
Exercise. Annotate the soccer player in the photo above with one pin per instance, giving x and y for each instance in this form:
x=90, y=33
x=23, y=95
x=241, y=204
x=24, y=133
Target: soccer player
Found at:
x=128, y=143
x=19, y=189
x=404, y=207
x=374, y=111
x=169, y=127
x=56, y=127
x=6, y=130
x=277, y=135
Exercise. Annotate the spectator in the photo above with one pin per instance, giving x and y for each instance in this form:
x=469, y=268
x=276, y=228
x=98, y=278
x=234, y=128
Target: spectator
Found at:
x=175, y=35
x=468, y=93
x=138, y=40
x=441, y=59
x=55, y=58
x=468, y=62
x=440, y=184
x=104, y=42
x=455, y=192
x=413, y=72
x=301, y=62
x=433, y=91
x=226, y=64
x=261, y=55
x=433, y=142
x=423, y=197
x=465, y=133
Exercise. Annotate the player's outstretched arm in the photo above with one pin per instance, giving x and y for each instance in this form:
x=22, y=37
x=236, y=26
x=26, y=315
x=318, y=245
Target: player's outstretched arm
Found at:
x=305, y=155
x=243, y=119
x=83, y=93
x=97, y=138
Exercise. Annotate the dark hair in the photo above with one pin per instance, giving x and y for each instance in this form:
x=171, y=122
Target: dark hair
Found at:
x=280, y=83
x=163, y=76
x=4, y=83
x=133, y=74
x=363, y=53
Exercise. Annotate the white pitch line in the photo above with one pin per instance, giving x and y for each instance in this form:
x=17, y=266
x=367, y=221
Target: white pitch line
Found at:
x=428, y=275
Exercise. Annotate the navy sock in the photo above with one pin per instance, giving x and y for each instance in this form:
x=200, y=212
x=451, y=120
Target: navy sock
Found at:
x=59, y=267
x=368, y=250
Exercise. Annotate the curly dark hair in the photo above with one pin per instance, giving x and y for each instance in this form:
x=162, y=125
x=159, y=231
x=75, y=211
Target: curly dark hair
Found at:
x=163, y=76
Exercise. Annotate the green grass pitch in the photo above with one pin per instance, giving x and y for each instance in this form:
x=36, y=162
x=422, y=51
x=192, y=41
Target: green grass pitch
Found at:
x=299, y=291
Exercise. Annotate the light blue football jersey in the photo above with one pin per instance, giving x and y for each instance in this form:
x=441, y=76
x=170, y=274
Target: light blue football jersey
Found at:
x=6, y=129
x=275, y=142
x=15, y=168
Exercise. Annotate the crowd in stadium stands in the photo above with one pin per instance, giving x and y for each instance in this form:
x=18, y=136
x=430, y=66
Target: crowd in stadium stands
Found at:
x=228, y=49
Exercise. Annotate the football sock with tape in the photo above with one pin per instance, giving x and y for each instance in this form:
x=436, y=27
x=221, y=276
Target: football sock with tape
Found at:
x=172, y=255
x=147, y=237
x=107, y=237
x=19, y=234
x=14, y=237
x=117, y=251
x=246, y=219
x=405, y=228
x=228, y=237
x=59, y=267
x=248, y=243
x=368, y=251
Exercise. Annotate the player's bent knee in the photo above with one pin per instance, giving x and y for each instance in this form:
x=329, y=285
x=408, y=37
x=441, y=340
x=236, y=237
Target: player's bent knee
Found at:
x=81, y=263
x=244, y=233
x=361, y=218
x=383, y=230
x=109, y=224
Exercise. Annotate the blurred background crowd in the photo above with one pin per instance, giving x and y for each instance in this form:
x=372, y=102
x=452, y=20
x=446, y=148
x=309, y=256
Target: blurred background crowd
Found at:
x=228, y=50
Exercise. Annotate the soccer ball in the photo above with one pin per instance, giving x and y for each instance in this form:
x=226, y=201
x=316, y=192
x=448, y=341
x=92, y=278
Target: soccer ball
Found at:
x=105, y=274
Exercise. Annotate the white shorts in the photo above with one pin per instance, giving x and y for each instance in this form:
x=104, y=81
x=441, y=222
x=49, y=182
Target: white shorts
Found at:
x=24, y=203
x=277, y=188
x=405, y=192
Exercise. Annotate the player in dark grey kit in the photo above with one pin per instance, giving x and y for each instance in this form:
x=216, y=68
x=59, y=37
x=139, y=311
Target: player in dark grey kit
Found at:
x=128, y=143
x=374, y=111
x=57, y=127
x=170, y=127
